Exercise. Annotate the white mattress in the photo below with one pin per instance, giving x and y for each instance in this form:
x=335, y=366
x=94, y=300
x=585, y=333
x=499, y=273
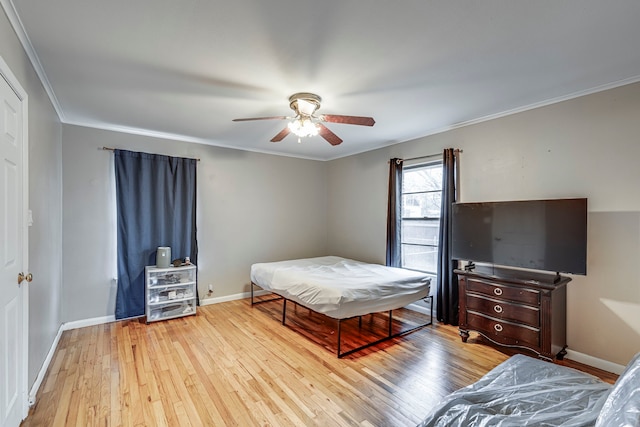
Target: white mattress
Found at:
x=340, y=287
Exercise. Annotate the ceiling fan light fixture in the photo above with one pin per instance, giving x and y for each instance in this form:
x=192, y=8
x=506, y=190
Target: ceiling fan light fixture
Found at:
x=303, y=127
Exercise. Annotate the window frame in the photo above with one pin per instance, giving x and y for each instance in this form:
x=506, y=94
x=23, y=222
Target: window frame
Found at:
x=413, y=167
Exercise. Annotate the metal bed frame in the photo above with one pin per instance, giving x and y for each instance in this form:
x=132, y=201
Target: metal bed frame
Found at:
x=340, y=354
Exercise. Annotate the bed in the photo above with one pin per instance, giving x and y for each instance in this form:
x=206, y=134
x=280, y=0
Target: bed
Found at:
x=342, y=289
x=523, y=391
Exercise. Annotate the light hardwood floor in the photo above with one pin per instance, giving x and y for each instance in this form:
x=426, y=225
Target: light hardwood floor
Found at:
x=235, y=365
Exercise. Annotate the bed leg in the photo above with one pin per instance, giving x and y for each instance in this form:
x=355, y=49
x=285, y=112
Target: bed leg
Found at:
x=431, y=308
x=284, y=310
x=390, y=323
x=360, y=322
x=339, y=336
x=252, y=293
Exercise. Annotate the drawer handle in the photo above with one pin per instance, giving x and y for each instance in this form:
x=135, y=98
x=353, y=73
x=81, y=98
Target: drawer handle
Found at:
x=497, y=327
x=497, y=291
x=497, y=309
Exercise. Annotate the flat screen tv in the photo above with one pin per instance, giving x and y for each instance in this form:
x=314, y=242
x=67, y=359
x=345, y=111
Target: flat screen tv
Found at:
x=548, y=235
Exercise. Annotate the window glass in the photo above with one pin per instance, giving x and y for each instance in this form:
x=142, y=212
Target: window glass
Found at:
x=421, y=195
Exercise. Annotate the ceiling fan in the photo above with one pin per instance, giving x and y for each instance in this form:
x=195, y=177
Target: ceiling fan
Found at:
x=307, y=123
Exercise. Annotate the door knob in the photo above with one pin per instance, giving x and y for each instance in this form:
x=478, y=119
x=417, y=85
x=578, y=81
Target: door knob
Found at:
x=22, y=277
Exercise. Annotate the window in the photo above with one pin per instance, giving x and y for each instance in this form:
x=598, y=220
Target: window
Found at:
x=421, y=193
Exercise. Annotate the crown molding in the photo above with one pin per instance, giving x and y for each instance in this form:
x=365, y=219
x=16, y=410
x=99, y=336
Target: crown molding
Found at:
x=545, y=103
x=183, y=138
x=20, y=31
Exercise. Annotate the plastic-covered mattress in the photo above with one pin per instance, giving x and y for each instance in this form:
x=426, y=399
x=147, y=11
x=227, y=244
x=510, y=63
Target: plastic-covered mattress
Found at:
x=523, y=391
x=340, y=287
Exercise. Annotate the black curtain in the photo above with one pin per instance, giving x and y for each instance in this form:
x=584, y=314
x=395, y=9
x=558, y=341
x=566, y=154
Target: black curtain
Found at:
x=156, y=204
x=447, y=281
x=394, y=214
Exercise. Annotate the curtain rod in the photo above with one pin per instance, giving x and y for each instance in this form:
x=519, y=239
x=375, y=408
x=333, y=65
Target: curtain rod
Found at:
x=430, y=156
x=113, y=149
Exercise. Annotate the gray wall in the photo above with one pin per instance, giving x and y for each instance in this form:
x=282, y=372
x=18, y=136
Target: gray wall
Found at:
x=251, y=208
x=45, y=200
x=585, y=147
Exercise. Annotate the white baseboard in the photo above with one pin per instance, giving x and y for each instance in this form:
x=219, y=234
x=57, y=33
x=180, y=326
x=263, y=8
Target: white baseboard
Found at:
x=419, y=308
x=88, y=322
x=605, y=365
x=234, y=297
x=43, y=370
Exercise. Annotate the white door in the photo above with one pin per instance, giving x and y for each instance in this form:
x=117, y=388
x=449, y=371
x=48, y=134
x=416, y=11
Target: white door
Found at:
x=12, y=227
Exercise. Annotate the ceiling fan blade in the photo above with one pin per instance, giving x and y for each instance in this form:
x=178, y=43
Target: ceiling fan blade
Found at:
x=348, y=120
x=279, y=137
x=261, y=118
x=328, y=135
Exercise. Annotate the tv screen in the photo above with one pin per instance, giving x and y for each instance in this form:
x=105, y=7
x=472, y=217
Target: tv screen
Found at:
x=546, y=235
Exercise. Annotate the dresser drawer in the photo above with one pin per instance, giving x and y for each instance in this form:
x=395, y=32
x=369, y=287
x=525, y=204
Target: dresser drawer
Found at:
x=505, y=292
x=503, y=332
x=504, y=310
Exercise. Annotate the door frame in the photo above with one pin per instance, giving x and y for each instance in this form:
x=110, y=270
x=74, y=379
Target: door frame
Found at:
x=23, y=376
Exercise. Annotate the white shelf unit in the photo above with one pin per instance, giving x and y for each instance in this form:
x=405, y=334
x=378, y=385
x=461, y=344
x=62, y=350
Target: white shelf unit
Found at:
x=170, y=292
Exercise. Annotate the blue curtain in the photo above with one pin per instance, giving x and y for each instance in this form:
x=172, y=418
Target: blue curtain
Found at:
x=447, y=281
x=156, y=203
x=394, y=214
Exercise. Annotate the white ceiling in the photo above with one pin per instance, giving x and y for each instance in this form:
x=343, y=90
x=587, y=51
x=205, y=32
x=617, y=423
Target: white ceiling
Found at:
x=184, y=69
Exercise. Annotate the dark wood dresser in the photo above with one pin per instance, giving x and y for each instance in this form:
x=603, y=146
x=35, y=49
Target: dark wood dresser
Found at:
x=515, y=308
